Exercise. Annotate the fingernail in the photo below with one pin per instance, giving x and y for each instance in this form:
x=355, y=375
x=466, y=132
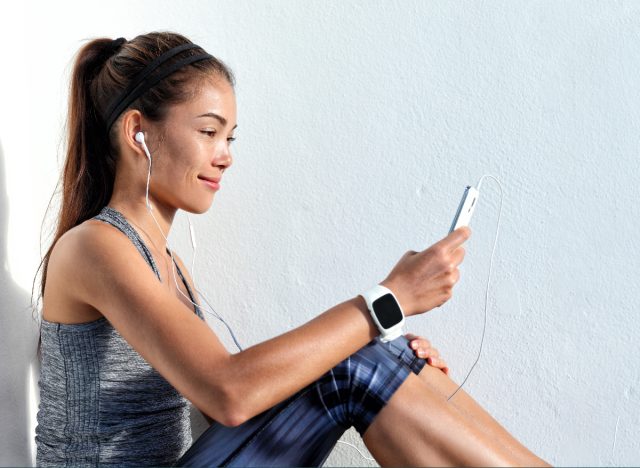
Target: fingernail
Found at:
x=414, y=345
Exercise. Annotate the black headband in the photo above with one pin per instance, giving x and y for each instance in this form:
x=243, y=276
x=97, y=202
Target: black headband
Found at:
x=139, y=85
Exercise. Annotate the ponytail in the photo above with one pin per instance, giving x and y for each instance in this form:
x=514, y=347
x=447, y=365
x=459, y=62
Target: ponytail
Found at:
x=89, y=170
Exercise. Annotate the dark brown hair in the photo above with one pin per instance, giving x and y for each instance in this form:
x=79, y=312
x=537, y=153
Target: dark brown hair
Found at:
x=100, y=73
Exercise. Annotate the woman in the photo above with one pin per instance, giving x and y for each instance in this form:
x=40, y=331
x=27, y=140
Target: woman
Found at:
x=125, y=348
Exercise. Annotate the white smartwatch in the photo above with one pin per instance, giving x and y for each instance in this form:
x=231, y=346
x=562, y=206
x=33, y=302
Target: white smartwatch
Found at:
x=385, y=311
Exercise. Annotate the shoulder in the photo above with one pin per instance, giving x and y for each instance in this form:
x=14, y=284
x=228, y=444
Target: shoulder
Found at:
x=90, y=236
x=95, y=257
x=89, y=242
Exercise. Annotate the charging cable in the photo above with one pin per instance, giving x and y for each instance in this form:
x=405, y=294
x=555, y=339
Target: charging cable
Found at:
x=486, y=297
x=484, y=327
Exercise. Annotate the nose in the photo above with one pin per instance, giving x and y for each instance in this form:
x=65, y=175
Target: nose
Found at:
x=223, y=159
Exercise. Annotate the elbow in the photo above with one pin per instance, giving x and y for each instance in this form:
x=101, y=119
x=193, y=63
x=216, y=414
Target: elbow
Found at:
x=232, y=413
x=237, y=409
x=228, y=415
x=229, y=404
x=234, y=420
x=224, y=412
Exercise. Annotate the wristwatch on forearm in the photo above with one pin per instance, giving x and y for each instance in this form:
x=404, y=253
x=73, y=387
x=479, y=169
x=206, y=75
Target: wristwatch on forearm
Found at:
x=385, y=311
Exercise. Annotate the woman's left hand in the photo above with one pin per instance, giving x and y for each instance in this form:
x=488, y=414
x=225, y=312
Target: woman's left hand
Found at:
x=422, y=348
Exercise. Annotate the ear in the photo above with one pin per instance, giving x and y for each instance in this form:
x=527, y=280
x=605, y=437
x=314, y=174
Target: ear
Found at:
x=132, y=123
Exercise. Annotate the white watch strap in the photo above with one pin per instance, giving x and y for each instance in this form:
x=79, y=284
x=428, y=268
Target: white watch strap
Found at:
x=386, y=334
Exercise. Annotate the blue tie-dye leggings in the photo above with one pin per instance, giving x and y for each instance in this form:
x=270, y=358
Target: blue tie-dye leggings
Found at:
x=303, y=429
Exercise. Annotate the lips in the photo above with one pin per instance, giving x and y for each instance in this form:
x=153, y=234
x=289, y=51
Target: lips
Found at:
x=210, y=179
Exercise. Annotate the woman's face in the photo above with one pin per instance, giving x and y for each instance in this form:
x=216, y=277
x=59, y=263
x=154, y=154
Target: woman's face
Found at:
x=195, y=147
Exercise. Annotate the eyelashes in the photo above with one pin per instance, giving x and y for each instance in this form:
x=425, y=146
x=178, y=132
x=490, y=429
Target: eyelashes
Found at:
x=212, y=133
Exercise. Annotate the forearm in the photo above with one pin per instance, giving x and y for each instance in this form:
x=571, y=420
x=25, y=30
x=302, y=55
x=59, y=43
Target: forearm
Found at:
x=270, y=372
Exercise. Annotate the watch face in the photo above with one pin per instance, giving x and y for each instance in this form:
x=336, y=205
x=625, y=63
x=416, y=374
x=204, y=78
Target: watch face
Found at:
x=387, y=310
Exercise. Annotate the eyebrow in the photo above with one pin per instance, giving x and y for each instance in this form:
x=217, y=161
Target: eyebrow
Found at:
x=221, y=119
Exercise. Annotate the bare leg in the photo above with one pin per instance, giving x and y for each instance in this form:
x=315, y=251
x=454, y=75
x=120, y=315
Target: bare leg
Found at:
x=442, y=384
x=418, y=427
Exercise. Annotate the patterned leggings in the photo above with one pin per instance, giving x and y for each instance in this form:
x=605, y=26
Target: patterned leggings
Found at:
x=303, y=429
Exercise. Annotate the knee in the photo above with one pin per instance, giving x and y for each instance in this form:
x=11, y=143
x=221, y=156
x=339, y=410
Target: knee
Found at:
x=355, y=390
x=376, y=371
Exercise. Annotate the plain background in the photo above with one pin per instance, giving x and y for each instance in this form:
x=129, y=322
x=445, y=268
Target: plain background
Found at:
x=360, y=123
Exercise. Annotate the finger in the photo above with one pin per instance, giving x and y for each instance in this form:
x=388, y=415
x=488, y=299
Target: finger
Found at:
x=455, y=239
x=423, y=343
x=427, y=353
x=421, y=351
x=458, y=255
x=418, y=343
x=463, y=234
x=411, y=336
x=436, y=362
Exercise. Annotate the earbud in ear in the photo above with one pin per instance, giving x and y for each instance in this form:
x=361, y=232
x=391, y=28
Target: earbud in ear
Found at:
x=140, y=139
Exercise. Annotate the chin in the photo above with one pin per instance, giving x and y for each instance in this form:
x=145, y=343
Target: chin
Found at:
x=199, y=208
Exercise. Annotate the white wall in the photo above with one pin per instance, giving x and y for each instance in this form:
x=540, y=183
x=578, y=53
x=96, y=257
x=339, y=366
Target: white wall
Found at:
x=360, y=123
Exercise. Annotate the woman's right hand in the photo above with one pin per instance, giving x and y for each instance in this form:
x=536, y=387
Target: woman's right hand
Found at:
x=424, y=280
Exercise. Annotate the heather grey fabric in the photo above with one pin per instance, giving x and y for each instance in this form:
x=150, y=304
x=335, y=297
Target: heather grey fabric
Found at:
x=100, y=401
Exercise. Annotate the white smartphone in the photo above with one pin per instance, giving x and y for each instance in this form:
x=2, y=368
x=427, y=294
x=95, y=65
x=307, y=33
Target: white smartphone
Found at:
x=465, y=208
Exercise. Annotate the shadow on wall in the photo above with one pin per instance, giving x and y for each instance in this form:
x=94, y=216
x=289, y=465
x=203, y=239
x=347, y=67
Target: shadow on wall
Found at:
x=18, y=363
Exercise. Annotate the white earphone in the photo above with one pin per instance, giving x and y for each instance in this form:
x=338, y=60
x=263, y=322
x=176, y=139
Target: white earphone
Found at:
x=140, y=139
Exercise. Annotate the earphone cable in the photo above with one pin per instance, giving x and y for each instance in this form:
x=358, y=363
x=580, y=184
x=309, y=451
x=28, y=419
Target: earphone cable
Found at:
x=221, y=319
x=173, y=262
x=175, y=280
x=193, y=253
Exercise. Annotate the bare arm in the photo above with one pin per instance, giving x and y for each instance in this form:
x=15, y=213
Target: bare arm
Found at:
x=300, y=356
x=290, y=356
x=105, y=271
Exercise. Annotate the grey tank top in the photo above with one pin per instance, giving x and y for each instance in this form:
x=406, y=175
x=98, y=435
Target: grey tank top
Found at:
x=101, y=403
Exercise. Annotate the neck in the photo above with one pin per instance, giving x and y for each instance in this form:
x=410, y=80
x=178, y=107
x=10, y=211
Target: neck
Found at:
x=138, y=215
